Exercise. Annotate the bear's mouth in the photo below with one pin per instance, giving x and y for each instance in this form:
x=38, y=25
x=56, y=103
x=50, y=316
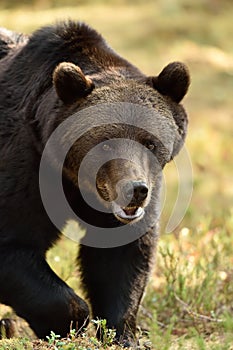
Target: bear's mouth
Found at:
x=128, y=214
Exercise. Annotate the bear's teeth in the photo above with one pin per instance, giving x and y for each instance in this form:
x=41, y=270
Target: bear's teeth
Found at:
x=128, y=213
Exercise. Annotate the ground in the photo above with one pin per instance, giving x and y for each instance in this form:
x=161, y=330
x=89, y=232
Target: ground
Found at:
x=188, y=304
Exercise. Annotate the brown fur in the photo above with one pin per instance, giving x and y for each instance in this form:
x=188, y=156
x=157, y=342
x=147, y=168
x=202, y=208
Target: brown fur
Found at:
x=61, y=71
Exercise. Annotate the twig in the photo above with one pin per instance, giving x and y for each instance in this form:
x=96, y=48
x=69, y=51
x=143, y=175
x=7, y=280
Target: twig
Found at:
x=188, y=309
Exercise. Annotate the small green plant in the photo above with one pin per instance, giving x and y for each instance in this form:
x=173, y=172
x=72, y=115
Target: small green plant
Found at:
x=107, y=335
x=54, y=339
x=85, y=340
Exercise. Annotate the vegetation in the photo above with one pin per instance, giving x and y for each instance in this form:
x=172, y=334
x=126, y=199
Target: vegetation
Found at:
x=189, y=301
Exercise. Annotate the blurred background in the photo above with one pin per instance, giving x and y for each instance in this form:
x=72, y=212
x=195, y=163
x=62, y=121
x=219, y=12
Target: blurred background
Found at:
x=190, y=297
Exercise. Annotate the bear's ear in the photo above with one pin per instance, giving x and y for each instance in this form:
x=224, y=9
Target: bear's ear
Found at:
x=173, y=81
x=70, y=82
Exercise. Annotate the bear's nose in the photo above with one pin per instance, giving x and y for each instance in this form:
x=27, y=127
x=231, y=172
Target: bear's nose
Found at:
x=136, y=192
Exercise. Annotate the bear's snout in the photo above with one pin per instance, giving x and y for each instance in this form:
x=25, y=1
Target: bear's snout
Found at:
x=131, y=200
x=135, y=192
x=124, y=185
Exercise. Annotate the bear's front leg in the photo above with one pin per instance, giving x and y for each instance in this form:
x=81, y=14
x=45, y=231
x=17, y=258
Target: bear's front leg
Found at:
x=114, y=280
x=37, y=294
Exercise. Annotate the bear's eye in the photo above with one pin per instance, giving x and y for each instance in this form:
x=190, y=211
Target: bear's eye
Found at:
x=149, y=144
x=106, y=147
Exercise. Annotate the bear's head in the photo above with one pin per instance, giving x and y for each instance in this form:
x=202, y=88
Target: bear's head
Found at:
x=127, y=131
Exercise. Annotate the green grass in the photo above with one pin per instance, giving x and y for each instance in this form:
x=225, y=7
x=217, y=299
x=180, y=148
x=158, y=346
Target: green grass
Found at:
x=189, y=301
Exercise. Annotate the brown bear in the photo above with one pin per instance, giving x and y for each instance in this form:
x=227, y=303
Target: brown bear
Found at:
x=78, y=122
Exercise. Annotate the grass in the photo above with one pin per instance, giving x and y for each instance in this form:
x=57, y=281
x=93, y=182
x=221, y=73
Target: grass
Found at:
x=189, y=301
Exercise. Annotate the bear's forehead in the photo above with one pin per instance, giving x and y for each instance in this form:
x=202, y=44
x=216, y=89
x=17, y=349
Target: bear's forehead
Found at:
x=120, y=130
x=126, y=109
x=116, y=119
x=129, y=92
